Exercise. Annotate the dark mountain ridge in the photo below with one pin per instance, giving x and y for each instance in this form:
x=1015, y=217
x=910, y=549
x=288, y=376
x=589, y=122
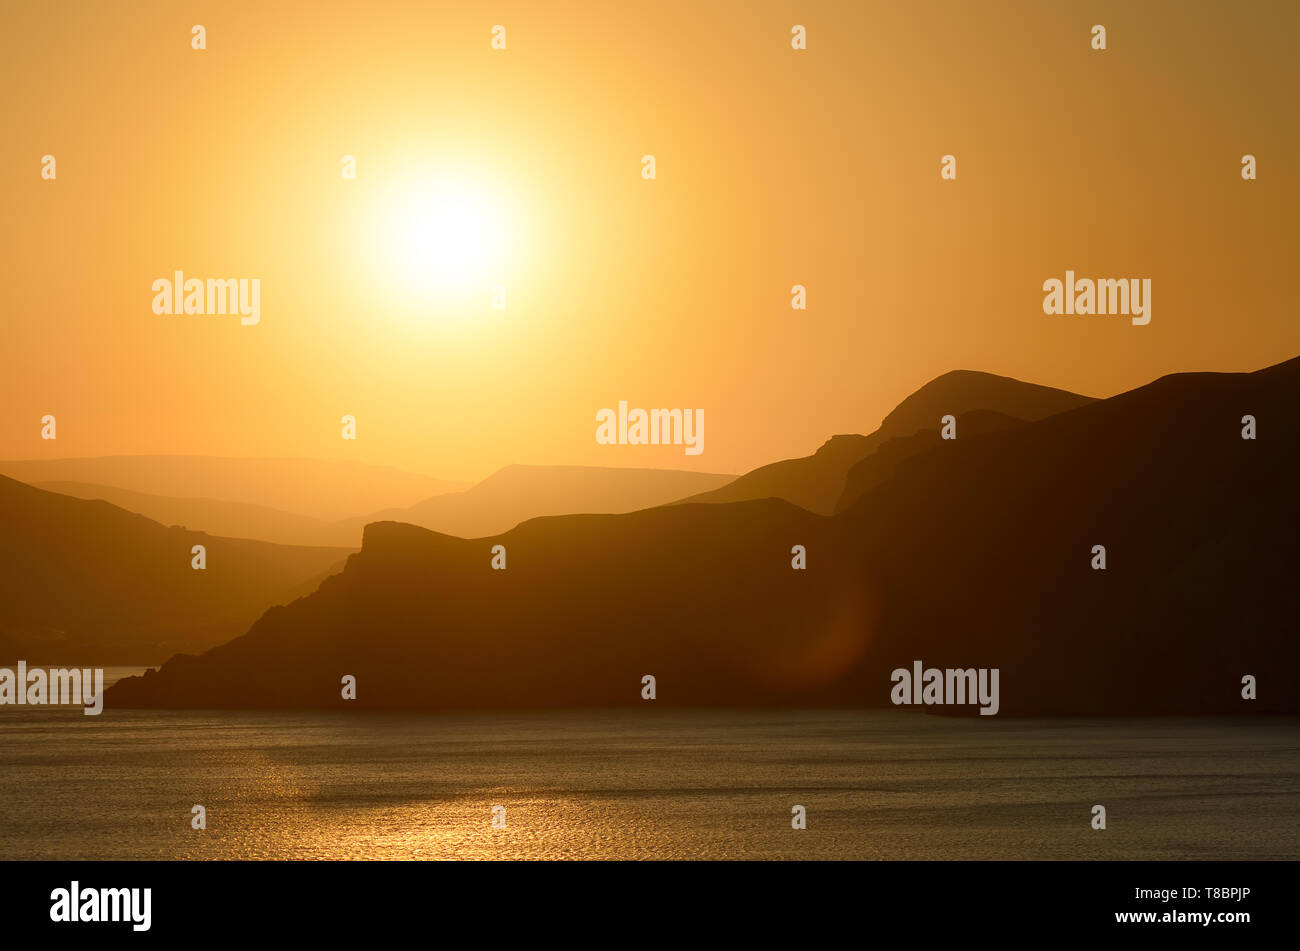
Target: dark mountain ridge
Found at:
x=974, y=552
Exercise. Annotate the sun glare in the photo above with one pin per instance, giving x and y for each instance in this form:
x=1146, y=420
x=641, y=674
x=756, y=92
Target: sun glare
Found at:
x=444, y=239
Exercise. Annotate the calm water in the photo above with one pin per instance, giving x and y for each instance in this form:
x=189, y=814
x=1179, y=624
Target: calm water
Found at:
x=644, y=783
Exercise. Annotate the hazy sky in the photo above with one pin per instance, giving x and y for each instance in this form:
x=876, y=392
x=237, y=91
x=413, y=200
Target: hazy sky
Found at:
x=775, y=167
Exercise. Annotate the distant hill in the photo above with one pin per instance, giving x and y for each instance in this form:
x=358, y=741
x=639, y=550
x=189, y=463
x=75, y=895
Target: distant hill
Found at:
x=817, y=482
x=517, y=493
x=971, y=553
x=501, y=501
x=304, y=487
x=84, y=582
x=228, y=519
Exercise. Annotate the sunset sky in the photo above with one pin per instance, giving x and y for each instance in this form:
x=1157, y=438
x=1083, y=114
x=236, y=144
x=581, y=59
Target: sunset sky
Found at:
x=775, y=167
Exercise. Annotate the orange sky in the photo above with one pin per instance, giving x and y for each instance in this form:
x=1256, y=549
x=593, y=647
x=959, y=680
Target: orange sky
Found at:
x=775, y=167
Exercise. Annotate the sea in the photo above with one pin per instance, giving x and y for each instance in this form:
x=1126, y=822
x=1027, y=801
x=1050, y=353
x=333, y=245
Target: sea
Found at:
x=643, y=783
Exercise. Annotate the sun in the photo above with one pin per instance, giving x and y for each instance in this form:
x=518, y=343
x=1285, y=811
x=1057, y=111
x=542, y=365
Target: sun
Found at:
x=443, y=238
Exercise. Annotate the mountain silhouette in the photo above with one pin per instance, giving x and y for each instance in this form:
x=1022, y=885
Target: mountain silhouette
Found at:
x=518, y=492
x=305, y=487
x=879, y=466
x=701, y=596
x=84, y=582
x=985, y=547
x=501, y=501
x=817, y=482
x=974, y=552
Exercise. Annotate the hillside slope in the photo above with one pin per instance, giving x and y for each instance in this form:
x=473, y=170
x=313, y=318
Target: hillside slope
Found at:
x=85, y=582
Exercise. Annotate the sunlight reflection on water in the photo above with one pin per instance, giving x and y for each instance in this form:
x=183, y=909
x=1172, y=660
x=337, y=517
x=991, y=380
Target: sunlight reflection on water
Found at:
x=642, y=784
